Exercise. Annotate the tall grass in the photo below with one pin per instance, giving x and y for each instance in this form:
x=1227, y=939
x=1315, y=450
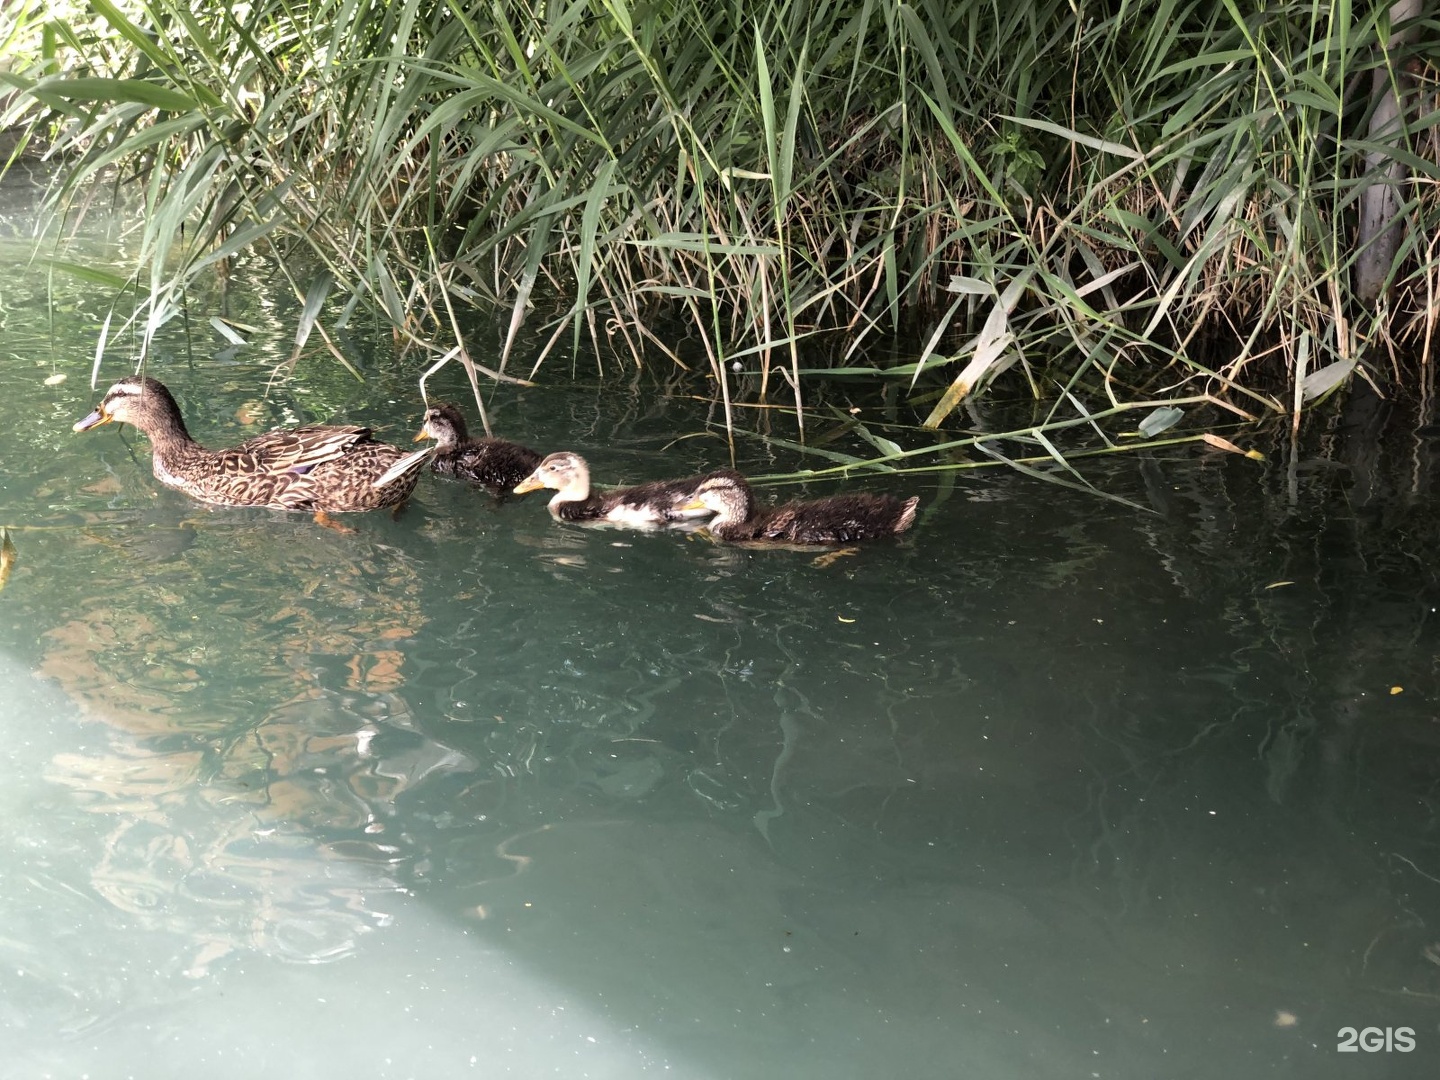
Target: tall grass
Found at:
x=1080, y=194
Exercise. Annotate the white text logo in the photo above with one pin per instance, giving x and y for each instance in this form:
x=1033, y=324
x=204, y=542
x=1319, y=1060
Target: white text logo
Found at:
x=1373, y=1039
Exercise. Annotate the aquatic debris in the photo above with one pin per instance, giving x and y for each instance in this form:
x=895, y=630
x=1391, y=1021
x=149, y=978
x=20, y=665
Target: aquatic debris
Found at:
x=56, y=379
x=1225, y=444
x=8, y=555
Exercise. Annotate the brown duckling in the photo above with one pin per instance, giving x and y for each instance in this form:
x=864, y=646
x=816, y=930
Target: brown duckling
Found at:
x=319, y=467
x=645, y=506
x=838, y=519
x=494, y=464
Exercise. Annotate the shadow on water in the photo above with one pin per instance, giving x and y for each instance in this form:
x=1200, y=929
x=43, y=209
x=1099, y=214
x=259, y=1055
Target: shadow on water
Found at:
x=1046, y=789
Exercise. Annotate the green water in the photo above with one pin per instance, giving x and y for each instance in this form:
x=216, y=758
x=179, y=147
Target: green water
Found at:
x=1051, y=788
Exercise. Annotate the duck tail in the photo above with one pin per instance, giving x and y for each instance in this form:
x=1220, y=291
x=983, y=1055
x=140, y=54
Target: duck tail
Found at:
x=403, y=467
x=907, y=514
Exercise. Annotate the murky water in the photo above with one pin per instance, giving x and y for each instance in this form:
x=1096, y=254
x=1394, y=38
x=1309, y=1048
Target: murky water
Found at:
x=1051, y=788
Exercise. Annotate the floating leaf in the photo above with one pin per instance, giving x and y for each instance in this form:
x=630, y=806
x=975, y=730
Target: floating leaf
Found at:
x=1278, y=584
x=56, y=379
x=1396, y=690
x=1225, y=444
x=1162, y=419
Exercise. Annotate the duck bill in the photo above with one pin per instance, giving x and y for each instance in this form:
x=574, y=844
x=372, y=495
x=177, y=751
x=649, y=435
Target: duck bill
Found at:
x=423, y=434
x=530, y=483
x=95, y=419
x=694, y=504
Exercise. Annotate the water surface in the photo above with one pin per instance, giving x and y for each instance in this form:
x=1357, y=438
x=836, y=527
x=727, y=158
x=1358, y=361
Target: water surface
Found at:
x=1051, y=787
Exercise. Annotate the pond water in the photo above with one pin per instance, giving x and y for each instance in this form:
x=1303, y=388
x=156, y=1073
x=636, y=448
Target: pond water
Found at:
x=1050, y=788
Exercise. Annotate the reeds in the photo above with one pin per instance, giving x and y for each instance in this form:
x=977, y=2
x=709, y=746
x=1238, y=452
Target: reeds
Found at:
x=1079, y=193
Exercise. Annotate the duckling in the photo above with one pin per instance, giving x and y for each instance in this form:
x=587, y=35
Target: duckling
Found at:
x=645, y=506
x=318, y=467
x=494, y=464
x=838, y=519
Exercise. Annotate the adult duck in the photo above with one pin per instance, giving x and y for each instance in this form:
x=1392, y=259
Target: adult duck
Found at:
x=323, y=468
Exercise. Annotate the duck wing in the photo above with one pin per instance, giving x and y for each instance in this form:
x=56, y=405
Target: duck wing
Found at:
x=840, y=519
x=352, y=483
x=297, y=449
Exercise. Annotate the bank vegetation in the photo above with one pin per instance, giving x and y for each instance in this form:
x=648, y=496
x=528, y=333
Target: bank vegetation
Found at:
x=1123, y=209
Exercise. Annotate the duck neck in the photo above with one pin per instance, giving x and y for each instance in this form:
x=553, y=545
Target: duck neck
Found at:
x=731, y=517
x=574, y=502
x=569, y=503
x=171, y=443
x=576, y=489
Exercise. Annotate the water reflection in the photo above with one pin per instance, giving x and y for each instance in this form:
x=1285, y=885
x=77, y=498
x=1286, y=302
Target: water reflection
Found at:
x=280, y=712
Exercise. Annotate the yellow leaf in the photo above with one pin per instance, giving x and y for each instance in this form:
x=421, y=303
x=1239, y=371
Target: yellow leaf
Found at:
x=1225, y=444
x=1396, y=690
x=843, y=619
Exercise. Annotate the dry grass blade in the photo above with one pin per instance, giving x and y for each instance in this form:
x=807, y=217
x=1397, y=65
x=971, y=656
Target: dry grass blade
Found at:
x=1222, y=443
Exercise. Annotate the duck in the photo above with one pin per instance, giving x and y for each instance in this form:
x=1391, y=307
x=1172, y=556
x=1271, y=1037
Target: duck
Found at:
x=838, y=519
x=323, y=468
x=655, y=505
x=494, y=464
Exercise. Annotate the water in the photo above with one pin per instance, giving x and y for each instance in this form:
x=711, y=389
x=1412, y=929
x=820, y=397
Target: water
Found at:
x=1051, y=788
